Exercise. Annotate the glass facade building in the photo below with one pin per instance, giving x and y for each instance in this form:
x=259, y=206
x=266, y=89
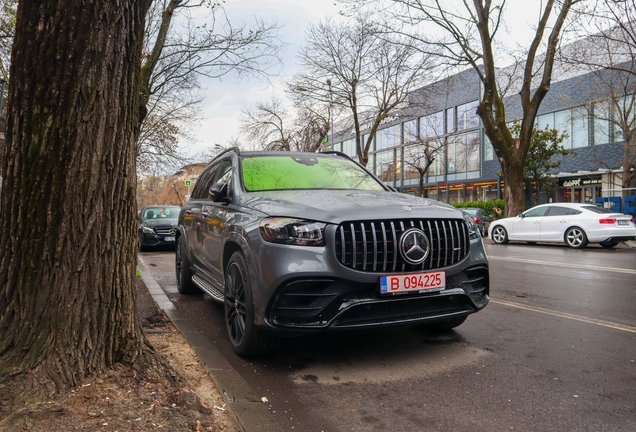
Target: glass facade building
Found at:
x=449, y=145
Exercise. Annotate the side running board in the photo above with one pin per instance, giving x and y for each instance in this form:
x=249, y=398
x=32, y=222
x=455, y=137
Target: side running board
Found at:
x=208, y=288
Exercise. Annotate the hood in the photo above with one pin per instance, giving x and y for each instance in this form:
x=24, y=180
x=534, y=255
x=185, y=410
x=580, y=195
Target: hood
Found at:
x=336, y=206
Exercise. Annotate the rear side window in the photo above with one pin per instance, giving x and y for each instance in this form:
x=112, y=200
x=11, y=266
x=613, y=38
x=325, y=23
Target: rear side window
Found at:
x=562, y=211
x=202, y=186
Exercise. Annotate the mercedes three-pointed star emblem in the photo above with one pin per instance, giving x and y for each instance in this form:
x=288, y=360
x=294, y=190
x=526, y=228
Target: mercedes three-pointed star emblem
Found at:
x=414, y=246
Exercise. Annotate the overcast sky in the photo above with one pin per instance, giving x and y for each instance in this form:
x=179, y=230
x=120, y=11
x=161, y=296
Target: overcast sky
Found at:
x=225, y=99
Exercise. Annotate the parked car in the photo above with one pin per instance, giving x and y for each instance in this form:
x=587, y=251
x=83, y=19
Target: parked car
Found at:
x=576, y=225
x=293, y=243
x=480, y=217
x=157, y=226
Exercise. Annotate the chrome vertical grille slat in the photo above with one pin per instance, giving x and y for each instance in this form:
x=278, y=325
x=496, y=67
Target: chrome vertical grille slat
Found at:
x=394, y=245
x=364, y=246
x=353, y=243
x=374, y=248
x=342, y=240
x=386, y=248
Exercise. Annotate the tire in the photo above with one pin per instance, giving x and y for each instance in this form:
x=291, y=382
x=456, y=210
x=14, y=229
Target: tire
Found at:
x=447, y=324
x=183, y=270
x=499, y=235
x=247, y=339
x=575, y=238
x=608, y=244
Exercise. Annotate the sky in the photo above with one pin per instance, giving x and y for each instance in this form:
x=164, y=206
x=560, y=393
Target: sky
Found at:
x=225, y=99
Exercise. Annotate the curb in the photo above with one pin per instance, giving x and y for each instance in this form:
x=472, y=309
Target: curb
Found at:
x=244, y=405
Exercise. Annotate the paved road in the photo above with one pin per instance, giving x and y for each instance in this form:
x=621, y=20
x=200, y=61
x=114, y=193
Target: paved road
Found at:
x=555, y=350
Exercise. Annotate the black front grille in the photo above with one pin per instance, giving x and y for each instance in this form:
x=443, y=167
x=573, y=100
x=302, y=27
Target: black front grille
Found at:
x=164, y=230
x=373, y=246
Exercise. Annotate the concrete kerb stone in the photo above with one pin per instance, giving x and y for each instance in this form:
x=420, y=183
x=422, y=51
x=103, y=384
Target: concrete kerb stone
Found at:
x=248, y=410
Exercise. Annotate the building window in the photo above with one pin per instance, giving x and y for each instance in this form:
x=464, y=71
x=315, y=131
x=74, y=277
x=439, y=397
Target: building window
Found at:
x=432, y=125
x=580, y=134
x=467, y=117
x=472, y=151
x=388, y=137
x=602, y=124
x=562, y=123
x=450, y=120
x=410, y=131
x=489, y=151
x=573, y=122
x=385, y=166
x=349, y=147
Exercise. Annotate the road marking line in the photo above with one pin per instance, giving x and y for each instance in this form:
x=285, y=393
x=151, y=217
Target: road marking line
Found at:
x=566, y=315
x=560, y=264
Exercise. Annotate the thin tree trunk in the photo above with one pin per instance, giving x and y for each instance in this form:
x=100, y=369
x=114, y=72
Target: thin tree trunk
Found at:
x=67, y=220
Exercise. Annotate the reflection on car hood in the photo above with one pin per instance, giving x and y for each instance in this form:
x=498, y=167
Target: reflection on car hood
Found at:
x=161, y=222
x=337, y=206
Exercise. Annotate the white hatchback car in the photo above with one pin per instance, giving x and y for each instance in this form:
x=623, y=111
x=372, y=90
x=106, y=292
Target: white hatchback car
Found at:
x=573, y=224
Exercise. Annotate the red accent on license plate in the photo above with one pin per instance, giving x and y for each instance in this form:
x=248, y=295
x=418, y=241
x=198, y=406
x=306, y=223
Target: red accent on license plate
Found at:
x=413, y=282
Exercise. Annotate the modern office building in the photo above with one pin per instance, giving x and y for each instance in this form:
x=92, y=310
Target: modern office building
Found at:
x=466, y=168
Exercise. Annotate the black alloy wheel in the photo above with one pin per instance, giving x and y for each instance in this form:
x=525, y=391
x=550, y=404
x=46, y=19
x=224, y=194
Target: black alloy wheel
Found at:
x=183, y=270
x=247, y=339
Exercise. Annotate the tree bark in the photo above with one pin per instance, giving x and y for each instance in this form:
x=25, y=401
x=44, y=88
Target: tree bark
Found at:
x=67, y=220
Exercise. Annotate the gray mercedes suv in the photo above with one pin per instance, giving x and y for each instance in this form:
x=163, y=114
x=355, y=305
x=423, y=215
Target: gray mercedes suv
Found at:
x=299, y=242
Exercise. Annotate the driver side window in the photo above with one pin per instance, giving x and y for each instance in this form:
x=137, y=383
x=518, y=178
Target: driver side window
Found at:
x=536, y=212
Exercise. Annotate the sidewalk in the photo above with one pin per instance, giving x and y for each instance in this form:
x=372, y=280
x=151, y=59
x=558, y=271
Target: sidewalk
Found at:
x=242, y=402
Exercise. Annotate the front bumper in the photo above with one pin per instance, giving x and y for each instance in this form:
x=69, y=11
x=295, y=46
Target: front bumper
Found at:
x=303, y=289
x=155, y=240
x=329, y=303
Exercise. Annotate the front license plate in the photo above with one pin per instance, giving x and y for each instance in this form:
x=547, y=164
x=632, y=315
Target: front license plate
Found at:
x=413, y=282
x=171, y=238
x=623, y=222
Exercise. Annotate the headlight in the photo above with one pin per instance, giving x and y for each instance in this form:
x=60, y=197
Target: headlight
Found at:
x=473, y=231
x=292, y=231
x=147, y=230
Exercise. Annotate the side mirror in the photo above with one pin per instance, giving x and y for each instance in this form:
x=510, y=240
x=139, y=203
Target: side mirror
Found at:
x=218, y=192
x=521, y=216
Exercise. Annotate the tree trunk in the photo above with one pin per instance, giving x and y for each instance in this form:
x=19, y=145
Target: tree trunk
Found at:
x=67, y=220
x=513, y=180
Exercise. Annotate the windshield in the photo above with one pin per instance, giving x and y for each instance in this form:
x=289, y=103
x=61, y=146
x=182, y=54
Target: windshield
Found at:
x=267, y=173
x=161, y=212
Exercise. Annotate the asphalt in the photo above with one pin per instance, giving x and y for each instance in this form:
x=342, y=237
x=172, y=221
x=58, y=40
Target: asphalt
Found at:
x=241, y=401
x=245, y=406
